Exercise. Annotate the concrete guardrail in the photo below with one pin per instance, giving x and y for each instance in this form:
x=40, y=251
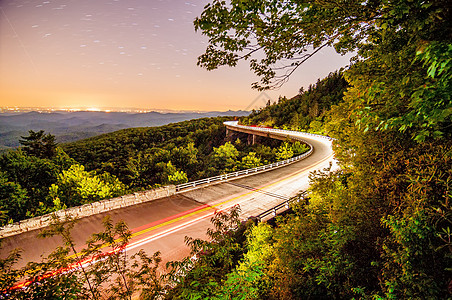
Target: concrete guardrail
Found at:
x=87, y=210
x=149, y=195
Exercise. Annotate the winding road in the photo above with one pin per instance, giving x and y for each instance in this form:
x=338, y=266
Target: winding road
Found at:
x=162, y=224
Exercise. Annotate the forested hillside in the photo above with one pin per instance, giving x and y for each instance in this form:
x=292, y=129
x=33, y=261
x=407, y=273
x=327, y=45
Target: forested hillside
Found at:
x=380, y=227
x=137, y=155
x=306, y=111
x=145, y=157
x=70, y=126
x=42, y=176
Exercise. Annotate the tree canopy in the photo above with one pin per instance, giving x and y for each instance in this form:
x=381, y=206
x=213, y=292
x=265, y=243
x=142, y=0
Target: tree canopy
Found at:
x=400, y=75
x=39, y=144
x=305, y=111
x=378, y=228
x=381, y=226
x=289, y=32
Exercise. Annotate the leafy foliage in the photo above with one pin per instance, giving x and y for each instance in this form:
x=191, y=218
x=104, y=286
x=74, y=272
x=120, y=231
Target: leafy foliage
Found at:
x=306, y=111
x=199, y=277
x=249, y=279
x=111, y=275
x=225, y=157
x=76, y=186
x=175, y=176
x=284, y=152
x=250, y=161
x=39, y=144
x=25, y=181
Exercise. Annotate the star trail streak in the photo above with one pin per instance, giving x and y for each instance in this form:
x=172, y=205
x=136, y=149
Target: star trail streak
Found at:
x=105, y=53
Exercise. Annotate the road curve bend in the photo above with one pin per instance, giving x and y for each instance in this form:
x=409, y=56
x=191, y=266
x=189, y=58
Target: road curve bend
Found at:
x=162, y=224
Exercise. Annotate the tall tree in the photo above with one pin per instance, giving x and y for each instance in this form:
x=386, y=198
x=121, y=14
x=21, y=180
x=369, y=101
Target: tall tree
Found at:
x=225, y=157
x=400, y=74
x=391, y=200
x=39, y=144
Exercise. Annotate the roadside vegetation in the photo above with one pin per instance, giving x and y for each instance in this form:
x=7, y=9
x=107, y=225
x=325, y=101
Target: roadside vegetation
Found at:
x=42, y=177
x=307, y=111
x=380, y=227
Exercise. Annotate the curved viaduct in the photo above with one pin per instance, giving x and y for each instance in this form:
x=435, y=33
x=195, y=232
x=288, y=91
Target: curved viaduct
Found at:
x=162, y=224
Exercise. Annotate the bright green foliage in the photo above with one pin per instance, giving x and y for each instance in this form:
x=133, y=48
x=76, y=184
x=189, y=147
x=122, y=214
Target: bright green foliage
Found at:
x=259, y=246
x=200, y=278
x=316, y=127
x=25, y=181
x=431, y=103
x=405, y=98
x=250, y=161
x=175, y=176
x=410, y=95
x=299, y=148
x=225, y=157
x=77, y=186
x=248, y=280
x=284, y=152
x=178, y=177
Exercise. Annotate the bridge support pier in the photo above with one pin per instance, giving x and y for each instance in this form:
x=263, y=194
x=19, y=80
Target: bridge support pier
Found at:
x=251, y=139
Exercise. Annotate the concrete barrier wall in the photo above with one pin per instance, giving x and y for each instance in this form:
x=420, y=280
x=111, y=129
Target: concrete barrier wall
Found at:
x=87, y=210
x=126, y=200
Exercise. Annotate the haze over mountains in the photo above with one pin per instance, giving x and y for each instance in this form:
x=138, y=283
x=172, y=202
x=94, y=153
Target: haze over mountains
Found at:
x=70, y=126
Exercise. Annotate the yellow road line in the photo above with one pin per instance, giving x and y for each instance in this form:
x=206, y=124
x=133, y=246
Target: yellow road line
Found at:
x=216, y=205
x=224, y=202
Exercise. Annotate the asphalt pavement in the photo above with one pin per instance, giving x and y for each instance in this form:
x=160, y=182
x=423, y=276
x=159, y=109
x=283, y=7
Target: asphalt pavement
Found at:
x=162, y=224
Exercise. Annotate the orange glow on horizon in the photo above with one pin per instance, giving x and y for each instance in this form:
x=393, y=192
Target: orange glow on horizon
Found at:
x=141, y=55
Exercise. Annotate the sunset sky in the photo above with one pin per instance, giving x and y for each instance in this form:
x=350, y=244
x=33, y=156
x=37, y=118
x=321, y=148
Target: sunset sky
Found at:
x=123, y=53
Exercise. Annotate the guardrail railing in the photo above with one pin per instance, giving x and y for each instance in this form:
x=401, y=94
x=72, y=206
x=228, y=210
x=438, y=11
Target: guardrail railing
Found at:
x=283, y=132
x=291, y=134
x=227, y=176
x=224, y=177
x=282, y=206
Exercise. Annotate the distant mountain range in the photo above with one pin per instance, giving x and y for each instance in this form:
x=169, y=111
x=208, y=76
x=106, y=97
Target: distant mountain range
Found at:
x=71, y=126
